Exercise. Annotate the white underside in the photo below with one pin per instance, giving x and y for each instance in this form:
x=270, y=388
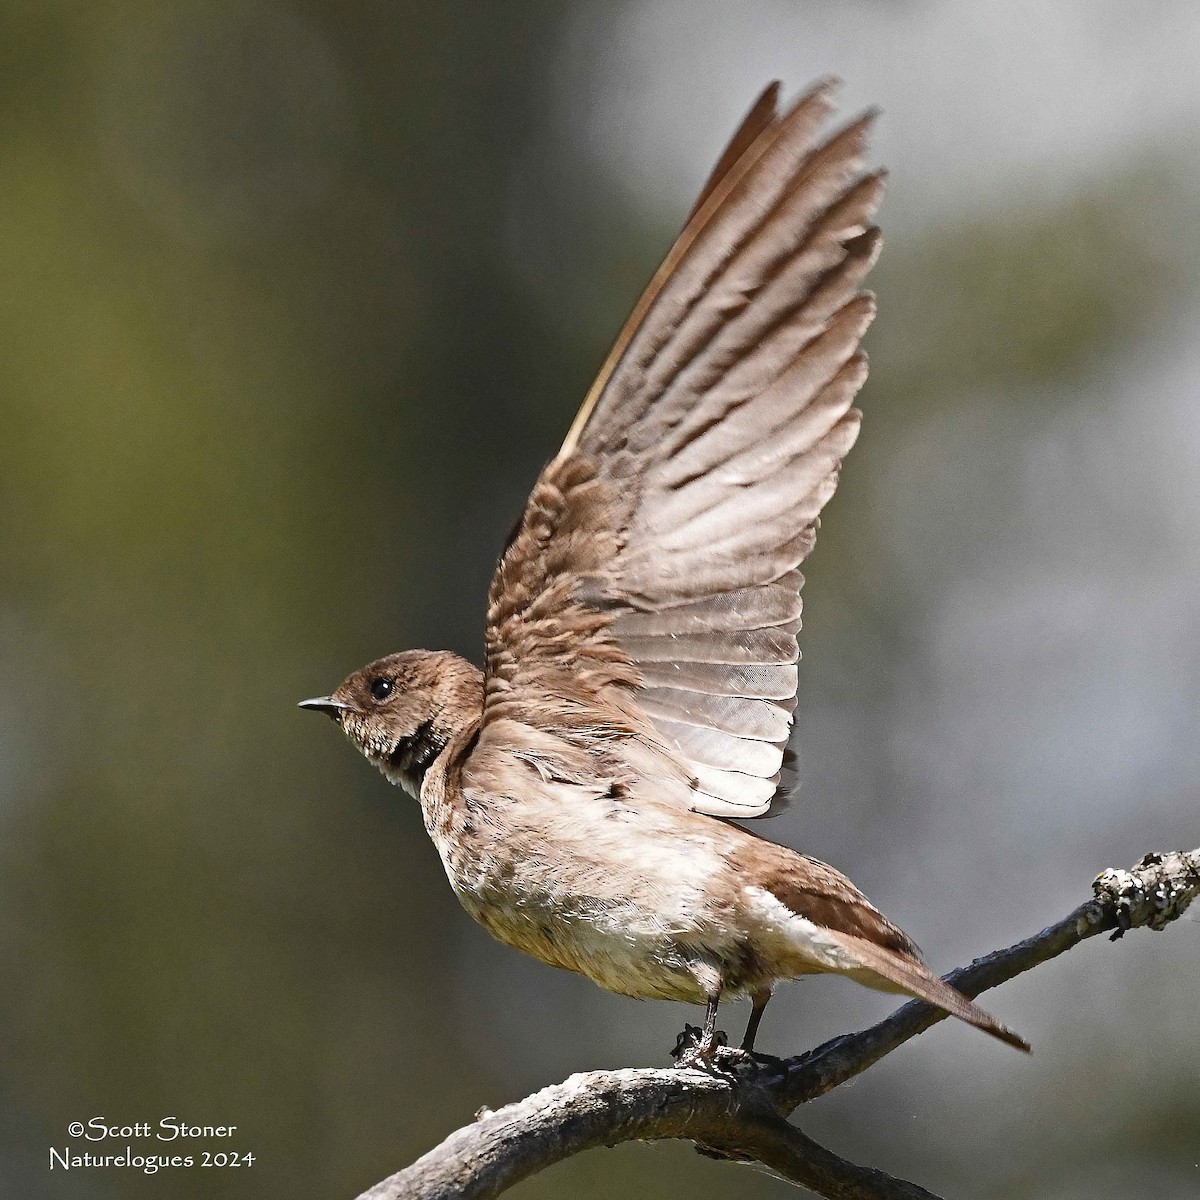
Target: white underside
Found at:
x=790, y=935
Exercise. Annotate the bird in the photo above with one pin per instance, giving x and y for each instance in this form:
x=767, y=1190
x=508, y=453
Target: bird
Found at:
x=584, y=789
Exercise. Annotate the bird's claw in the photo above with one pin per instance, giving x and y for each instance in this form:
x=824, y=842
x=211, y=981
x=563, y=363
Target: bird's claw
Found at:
x=692, y=1049
x=733, y=1058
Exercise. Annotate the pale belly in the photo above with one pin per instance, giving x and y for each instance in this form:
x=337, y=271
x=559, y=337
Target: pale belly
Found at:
x=636, y=917
x=620, y=949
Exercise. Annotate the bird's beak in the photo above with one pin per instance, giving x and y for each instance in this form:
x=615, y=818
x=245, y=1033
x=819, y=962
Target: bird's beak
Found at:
x=326, y=704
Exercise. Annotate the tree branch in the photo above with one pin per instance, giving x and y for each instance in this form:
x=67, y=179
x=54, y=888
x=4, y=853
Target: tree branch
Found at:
x=738, y=1111
x=1153, y=894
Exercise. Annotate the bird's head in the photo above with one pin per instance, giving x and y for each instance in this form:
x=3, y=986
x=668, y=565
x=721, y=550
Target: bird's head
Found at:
x=402, y=710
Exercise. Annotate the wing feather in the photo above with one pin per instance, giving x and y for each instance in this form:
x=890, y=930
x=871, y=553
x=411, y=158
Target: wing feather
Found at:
x=772, y=681
x=753, y=646
x=650, y=595
x=762, y=720
x=762, y=113
x=726, y=612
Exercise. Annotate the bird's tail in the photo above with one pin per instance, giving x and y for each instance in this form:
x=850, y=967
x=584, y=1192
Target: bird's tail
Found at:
x=911, y=976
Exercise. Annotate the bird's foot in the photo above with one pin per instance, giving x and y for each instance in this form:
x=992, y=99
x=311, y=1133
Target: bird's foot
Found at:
x=734, y=1059
x=693, y=1049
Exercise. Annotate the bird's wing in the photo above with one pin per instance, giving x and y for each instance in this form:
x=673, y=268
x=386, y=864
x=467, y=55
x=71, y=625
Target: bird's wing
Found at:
x=652, y=584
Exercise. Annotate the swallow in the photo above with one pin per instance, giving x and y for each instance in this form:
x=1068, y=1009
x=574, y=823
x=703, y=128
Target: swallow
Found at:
x=641, y=656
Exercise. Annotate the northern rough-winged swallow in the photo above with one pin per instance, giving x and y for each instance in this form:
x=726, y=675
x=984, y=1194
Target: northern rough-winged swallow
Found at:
x=641, y=650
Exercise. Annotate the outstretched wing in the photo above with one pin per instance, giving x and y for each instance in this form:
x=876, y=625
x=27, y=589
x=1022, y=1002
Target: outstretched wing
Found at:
x=652, y=586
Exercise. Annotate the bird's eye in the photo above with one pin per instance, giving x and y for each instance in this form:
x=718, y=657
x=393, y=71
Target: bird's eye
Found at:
x=381, y=689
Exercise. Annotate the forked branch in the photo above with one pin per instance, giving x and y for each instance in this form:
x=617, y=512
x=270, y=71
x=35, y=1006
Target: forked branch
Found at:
x=739, y=1111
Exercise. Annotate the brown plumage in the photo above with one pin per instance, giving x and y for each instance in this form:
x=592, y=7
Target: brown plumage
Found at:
x=641, y=662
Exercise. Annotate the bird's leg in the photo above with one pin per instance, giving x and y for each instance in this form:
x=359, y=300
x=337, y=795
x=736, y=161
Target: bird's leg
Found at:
x=746, y=1054
x=708, y=1038
x=760, y=1003
x=692, y=1050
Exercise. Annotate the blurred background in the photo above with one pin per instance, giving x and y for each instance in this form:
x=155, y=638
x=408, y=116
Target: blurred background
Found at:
x=299, y=296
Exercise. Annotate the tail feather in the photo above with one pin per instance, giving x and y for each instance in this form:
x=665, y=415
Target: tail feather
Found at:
x=909, y=975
